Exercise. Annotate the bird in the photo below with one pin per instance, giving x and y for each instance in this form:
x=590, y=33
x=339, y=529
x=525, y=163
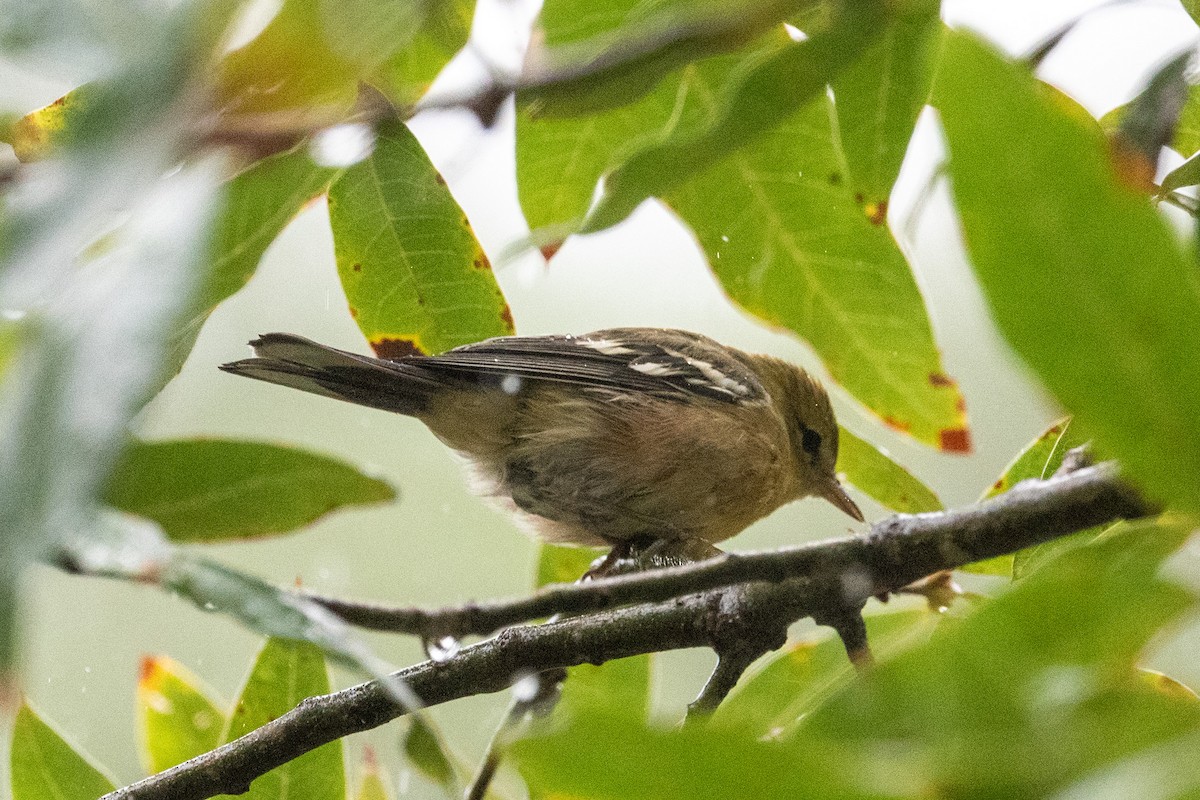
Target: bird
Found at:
x=625, y=438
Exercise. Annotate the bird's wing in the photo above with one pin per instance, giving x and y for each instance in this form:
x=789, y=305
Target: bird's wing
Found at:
x=664, y=363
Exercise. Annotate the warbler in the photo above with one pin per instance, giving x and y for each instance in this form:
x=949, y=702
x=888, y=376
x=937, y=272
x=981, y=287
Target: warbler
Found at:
x=623, y=437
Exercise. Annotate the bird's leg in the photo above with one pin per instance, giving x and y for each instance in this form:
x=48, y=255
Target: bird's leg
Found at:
x=638, y=555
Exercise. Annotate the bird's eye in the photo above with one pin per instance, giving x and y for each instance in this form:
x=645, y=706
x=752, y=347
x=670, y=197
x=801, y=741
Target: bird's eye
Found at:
x=811, y=442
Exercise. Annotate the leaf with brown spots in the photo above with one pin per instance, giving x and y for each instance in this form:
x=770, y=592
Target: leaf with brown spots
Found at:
x=779, y=224
x=408, y=259
x=1040, y=459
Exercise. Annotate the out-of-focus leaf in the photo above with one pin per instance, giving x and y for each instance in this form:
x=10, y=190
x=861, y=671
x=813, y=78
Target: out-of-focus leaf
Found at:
x=797, y=679
x=1040, y=459
x=874, y=472
x=1186, y=174
x=618, y=686
x=44, y=766
x=1187, y=129
x=177, y=719
x=407, y=74
x=87, y=364
x=562, y=564
x=206, y=490
x=259, y=203
x=879, y=97
x=414, y=274
x=372, y=785
x=758, y=99
x=1192, y=7
x=10, y=342
x=1119, y=347
x=616, y=758
x=34, y=135
x=309, y=58
x=127, y=548
x=303, y=70
x=1149, y=122
x=426, y=750
x=791, y=245
x=617, y=64
x=782, y=229
x=1028, y=693
x=285, y=673
x=1169, y=771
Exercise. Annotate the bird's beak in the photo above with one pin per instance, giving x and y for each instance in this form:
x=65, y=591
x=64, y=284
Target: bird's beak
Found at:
x=832, y=491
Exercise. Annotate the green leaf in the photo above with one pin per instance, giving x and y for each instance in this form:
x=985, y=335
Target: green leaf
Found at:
x=307, y=63
x=259, y=203
x=35, y=135
x=177, y=719
x=415, y=277
x=407, y=74
x=426, y=750
x=798, y=679
x=568, y=73
x=618, y=758
x=1117, y=346
x=44, y=766
x=879, y=97
x=1148, y=124
x=789, y=243
x=874, y=472
x=285, y=673
x=128, y=548
x=1040, y=459
x=1186, y=174
x=207, y=490
x=64, y=422
x=757, y=100
x=1164, y=772
x=1192, y=7
x=1187, y=128
x=372, y=785
x=560, y=159
x=618, y=686
x=563, y=564
x=1029, y=692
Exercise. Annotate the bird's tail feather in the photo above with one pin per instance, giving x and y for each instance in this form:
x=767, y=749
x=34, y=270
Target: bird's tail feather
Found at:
x=303, y=364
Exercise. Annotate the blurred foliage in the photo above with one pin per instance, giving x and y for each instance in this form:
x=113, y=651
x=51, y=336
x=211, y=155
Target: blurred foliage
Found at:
x=141, y=200
x=44, y=765
x=207, y=490
x=285, y=673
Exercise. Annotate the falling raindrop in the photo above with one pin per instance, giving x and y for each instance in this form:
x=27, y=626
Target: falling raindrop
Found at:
x=342, y=145
x=510, y=384
x=526, y=687
x=443, y=649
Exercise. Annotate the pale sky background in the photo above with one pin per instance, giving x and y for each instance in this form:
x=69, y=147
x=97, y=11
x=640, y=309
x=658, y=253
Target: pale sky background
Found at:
x=439, y=545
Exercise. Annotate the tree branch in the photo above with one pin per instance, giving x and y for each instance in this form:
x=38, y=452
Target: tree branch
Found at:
x=896, y=552
x=820, y=580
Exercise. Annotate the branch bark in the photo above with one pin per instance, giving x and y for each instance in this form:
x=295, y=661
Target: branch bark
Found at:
x=894, y=553
x=681, y=607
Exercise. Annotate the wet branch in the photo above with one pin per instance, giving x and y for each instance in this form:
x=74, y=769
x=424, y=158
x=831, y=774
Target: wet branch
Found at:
x=694, y=606
x=894, y=553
